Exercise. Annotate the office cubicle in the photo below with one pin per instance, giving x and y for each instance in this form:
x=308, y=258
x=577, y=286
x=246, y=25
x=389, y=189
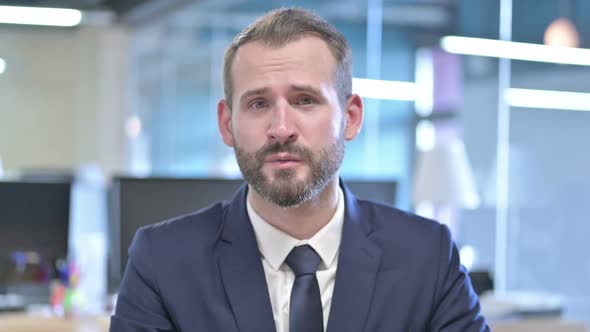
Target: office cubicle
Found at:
x=34, y=230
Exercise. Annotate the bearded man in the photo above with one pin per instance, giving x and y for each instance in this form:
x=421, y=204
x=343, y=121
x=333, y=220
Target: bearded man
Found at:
x=294, y=250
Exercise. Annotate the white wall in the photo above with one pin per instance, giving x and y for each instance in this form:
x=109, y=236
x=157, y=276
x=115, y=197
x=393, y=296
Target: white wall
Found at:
x=62, y=97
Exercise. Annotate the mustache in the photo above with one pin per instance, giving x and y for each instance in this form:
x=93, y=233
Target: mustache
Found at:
x=290, y=148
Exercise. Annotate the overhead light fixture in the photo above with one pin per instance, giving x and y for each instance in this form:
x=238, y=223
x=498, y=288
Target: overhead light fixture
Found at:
x=424, y=82
x=516, y=51
x=562, y=32
x=40, y=16
x=384, y=90
x=425, y=135
x=133, y=126
x=526, y=98
x=2, y=66
x=547, y=99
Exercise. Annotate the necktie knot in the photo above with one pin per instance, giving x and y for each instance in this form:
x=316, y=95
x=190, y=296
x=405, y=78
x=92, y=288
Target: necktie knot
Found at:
x=303, y=260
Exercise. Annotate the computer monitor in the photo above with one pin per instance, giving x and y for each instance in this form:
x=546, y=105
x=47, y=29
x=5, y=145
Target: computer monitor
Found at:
x=34, y=224
x=382, y=191
x=136, y=202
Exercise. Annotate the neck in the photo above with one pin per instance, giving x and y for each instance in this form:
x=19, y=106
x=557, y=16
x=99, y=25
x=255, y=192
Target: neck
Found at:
x=300, y=221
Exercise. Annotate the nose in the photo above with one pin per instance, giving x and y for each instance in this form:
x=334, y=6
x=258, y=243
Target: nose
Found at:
x=282, y=127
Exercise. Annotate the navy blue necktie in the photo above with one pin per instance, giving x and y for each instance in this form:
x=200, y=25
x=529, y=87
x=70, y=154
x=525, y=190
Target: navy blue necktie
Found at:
x=305, y=314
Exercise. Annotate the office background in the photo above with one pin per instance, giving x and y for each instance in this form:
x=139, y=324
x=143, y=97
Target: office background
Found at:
x=133, y=90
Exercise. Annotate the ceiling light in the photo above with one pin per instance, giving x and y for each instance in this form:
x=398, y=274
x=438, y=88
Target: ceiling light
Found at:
x=547, y=99
x=40, y=16
x=562, y=32
x=516, y=51
x=133, y=126
x=385, y=90
x=425, y=135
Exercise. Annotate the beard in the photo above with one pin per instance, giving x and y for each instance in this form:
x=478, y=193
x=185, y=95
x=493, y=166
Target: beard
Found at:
x=286, y=190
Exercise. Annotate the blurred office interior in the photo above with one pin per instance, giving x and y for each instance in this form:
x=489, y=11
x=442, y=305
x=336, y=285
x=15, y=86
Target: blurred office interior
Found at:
x=477, y=114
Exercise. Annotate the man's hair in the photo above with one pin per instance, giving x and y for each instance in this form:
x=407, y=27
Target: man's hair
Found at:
x=281, y=26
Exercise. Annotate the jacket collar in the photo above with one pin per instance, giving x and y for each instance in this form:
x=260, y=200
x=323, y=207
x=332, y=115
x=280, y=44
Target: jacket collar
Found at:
x=358, y=264
x=241, y=269
x=244, y=280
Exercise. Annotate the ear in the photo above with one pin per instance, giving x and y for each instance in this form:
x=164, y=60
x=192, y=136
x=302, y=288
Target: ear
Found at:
x=354, y=116
x=224, y=122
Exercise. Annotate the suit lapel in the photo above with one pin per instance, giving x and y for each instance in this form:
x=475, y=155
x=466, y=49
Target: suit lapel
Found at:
x=241, y=269
x=358, y=264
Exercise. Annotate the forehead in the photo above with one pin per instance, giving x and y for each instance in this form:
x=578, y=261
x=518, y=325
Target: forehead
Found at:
x=307, y=60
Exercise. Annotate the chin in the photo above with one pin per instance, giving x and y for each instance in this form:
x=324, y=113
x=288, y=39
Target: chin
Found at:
x=289, y=176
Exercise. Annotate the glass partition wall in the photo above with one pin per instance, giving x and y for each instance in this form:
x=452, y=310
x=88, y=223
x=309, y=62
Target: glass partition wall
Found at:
x=540, y=187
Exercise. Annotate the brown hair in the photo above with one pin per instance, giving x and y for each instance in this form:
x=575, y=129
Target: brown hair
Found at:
x=285, y=25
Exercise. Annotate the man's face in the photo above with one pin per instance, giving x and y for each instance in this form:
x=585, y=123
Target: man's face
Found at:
x=286, y=126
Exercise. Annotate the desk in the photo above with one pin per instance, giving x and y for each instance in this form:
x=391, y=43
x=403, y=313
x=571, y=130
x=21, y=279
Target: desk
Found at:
x=23, y=323
x=538, y=325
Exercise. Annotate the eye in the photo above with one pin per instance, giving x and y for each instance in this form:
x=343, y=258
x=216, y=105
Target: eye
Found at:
x=258, y=104
x=305, y=100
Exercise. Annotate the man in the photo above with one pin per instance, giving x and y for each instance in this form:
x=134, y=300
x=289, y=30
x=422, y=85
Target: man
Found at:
x=294, y=250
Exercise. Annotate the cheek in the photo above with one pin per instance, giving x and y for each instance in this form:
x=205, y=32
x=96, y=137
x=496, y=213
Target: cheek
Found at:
x=333, y=127
x=248, y=136
x=320, y=134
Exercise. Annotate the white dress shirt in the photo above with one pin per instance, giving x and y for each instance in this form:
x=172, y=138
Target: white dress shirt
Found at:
x=276, y=245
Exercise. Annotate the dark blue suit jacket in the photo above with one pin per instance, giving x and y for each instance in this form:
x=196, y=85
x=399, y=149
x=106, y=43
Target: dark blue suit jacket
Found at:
x=203, y=272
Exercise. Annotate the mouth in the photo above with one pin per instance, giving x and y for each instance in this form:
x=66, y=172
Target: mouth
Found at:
x=283, y=160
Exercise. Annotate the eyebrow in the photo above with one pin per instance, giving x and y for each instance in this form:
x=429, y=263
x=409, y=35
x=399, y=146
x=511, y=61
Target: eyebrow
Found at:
x=306, y=88
x=300, y=88
x=254, y=92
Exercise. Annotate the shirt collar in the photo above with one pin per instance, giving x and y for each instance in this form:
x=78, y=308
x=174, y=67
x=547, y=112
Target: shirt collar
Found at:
x=275, y=245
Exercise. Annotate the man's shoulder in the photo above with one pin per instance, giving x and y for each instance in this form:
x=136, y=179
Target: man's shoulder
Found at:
x=386, y=218
x=197, y=227
x=405, y=239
